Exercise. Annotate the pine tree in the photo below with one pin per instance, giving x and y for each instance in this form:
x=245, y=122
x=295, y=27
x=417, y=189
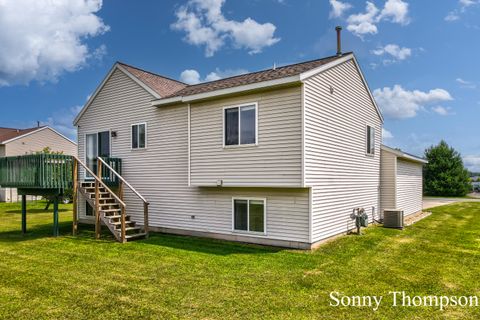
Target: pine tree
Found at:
x=445, y=175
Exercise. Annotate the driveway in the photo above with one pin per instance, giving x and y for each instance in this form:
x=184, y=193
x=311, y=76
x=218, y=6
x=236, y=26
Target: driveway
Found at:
x=430, y=202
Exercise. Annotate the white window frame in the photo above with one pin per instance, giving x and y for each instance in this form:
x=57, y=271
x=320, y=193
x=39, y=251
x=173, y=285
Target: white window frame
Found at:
x=85, y=173
x=255, y=104
x=366, y=140
x=248, y=199
x=131, y=134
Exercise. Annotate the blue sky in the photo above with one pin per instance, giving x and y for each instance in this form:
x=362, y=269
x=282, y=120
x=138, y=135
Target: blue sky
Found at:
x=419, y=57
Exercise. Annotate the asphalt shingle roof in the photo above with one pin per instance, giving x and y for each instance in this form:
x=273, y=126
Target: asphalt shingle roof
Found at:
x=254, y=77
x=160, y=84
x=168, y=88
x=10, y=133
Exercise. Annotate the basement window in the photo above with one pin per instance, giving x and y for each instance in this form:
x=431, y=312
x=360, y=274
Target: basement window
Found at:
x=240, y=125
x=139, y=136
x=370, y=140
x=249, y=215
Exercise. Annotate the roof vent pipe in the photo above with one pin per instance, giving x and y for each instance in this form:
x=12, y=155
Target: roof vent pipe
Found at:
x=339, y=42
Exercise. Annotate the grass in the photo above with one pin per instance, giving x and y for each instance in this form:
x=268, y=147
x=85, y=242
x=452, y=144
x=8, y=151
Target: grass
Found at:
x=170, y=277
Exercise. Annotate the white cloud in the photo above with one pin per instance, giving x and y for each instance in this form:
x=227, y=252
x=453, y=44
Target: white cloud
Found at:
x=394, y=50
x=364, y=23
x=386, y=135
x=62, y=121
x=466, y=84
x=443, y=111
x=398, y=103
x=338, y=8
x=452, y=16
x=41, y=39
x=472, y=162
x=192, y=76
x=205, y=25
x=468, y=3
x=395, y=11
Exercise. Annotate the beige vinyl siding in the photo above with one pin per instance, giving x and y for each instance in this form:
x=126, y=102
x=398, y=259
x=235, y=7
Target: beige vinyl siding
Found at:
x=274, y=162
x=409, y=186
x=388, y=168
x=160, y=172
x=37, y=141
x=341, y=175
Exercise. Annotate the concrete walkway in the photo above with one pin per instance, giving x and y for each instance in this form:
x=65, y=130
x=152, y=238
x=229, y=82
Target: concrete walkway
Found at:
x=430, y=202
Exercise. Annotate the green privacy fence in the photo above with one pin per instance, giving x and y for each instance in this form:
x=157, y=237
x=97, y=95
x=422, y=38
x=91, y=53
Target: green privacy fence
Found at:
x=45, y=171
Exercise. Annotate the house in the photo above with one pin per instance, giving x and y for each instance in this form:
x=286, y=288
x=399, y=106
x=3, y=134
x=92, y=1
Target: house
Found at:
x=280, y=156
x=17, y=142
x=401, y=183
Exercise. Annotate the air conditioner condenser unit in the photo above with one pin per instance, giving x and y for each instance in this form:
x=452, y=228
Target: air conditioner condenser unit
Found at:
x=393, y=218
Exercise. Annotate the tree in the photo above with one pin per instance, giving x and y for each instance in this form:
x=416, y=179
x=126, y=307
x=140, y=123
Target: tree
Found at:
x=445, y=175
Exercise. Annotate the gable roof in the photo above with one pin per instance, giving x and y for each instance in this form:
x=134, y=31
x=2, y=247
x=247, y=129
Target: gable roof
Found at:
x=157, y=85
x=7, y=134
x=162, y=85
x=403, y=155
x=167, y=91
x=254, y=77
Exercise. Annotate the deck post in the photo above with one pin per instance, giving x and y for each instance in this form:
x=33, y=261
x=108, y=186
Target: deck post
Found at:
x=75, y=196
x=98, y=227
x=145, y=218
x=24, y=214
x=55, y=217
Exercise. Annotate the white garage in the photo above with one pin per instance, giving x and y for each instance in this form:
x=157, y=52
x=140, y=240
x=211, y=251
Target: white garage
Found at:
x=401, y=181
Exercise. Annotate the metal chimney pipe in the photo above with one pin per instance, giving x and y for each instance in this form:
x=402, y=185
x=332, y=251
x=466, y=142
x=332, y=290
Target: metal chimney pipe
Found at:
x=339, y=42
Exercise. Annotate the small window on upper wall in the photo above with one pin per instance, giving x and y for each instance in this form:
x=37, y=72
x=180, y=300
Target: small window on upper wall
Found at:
x=240, y=126
x=370, y=140
x=139, y=136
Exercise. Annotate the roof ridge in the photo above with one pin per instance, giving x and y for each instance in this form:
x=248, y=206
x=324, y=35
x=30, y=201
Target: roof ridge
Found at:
x=263, y=70
x=150, y=72
x=23, y=128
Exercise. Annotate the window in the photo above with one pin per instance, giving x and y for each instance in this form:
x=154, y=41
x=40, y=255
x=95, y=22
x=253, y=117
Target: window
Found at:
x=249, y=215
x=370, y=140
x=240, y=125
x=139, y=136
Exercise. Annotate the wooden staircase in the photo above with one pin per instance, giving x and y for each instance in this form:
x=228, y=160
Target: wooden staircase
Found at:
x=110, y=212
x=110, y=209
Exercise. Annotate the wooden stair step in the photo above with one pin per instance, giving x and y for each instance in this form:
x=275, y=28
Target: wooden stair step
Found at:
x=130, y=229
x=127, y=217
x=110, y=210
x=119, y=223
x=135, y=235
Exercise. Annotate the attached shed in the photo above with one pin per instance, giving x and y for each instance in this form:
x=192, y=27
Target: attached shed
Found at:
x=401, y=181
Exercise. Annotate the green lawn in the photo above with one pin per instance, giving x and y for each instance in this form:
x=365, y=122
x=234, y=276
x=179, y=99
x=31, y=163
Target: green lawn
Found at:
x=169, y=277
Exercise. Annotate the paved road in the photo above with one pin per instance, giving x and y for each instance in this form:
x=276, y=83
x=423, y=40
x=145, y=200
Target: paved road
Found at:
x=430, y=202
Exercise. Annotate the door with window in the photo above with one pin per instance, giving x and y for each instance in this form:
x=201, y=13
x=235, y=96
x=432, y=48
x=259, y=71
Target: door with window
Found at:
x=96, y=145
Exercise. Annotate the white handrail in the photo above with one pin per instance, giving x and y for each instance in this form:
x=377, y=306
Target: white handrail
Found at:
x=123, y=180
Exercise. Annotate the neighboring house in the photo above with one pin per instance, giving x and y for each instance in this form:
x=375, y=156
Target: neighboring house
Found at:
x=401, y=184
x=280, y=156
x=17, y=142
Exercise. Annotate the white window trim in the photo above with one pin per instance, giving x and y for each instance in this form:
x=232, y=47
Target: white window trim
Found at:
x=264, y=233
x=366, y=140
x=255, y=104
x=131, y=134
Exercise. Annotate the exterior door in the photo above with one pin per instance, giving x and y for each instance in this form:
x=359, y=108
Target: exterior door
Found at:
x=96, y=145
